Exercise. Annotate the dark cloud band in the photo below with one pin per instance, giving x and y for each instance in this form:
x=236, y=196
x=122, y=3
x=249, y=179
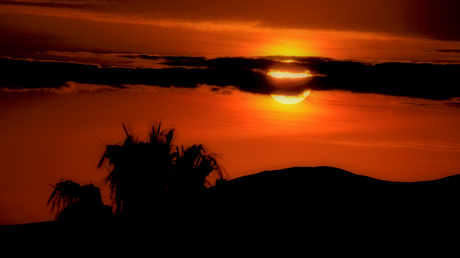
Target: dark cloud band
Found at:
x=418, y=80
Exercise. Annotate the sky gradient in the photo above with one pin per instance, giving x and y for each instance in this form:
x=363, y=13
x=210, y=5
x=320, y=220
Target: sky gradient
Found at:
x=384, y=100
x=395, y=29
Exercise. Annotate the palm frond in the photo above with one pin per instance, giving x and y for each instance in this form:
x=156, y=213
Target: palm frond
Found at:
x=65, y=194
x=129, y=135
x=193, y=168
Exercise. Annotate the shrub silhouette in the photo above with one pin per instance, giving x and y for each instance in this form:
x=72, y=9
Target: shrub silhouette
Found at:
x=73, y=201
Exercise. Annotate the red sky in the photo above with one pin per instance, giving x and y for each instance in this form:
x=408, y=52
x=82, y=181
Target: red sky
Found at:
x=48, y=133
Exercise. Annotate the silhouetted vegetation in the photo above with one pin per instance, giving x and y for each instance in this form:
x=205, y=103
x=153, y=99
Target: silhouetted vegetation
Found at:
x=142, y=177
x=163, y=191
x=192, y=168
x=73, y=201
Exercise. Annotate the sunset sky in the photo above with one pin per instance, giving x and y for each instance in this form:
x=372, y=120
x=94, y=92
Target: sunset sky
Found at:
x=380, y=80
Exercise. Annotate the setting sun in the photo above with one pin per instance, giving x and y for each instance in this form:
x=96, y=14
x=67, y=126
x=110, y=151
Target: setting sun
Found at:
x=291, y=99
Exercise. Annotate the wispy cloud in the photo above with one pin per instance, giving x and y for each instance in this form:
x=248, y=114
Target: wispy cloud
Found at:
x=67, y=88
x=57, y=3
x=453, y=104
x=83, y=10
x=222, y=28
x=432, y=18
x=432, y=146
x=457, y=51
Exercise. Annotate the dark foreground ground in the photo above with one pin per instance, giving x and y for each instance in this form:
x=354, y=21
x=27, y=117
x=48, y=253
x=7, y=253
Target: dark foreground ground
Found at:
x=277, y=212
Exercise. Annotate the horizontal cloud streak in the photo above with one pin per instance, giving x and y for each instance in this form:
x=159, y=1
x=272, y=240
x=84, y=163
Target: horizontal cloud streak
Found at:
x=431, y=146
x=69, y=87
x=457, y=51
x=428, y=18
x=59, y=3
x=417, y=80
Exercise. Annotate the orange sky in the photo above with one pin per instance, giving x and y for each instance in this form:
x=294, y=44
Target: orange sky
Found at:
x=46, y=137
x=51, y=133
x=393, y=30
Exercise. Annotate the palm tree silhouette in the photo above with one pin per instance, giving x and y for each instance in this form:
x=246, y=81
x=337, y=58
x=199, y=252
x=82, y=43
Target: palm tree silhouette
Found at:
x=143, y=174
x=73, y=201
x=140, y=170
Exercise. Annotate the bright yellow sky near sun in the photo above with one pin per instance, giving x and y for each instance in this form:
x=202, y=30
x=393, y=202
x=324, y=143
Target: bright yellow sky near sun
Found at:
x=286, y=48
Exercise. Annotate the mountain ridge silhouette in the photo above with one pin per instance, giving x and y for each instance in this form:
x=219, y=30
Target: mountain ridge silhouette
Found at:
x=308, y=179
x=327, y=193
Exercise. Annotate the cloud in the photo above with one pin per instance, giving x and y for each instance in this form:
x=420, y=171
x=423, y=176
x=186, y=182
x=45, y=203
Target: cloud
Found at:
x=449, y=51
x=453, y=104
x=38, y=74
x=57, y=3
x=213, y=29
x=417, y=80
x=72, y=87
x=22, y=73
x=429, y=18
x=432, y=146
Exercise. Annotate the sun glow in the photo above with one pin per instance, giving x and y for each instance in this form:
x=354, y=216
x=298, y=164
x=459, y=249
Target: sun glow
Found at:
x=285, y=74
x=284, y=99
x=289, y=61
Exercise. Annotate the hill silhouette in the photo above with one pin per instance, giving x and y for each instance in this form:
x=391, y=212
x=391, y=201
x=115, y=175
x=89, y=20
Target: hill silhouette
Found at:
x=327, y=208
x=334, y=184
x=316, y=198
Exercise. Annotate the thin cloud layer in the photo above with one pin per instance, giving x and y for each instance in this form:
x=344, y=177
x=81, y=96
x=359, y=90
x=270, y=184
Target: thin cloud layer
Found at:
x=429, y=18
x=417, y=80
x=356, y=29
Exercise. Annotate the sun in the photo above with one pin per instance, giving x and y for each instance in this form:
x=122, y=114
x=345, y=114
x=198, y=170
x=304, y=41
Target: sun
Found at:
x=286, y=79
x=286, y=99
